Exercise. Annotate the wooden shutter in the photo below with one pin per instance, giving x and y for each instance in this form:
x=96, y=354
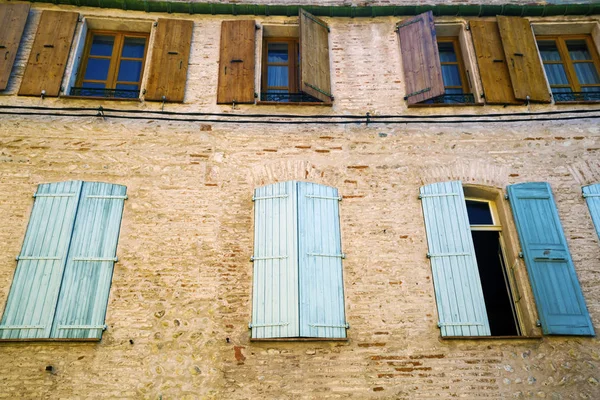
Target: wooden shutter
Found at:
x=88, y=273
x=592, y=197
x=12, y=23
x=523, y=61
x=275, y=286
x=236, y=62
x=170, y=58
x=320, y=262
x=49, y=54
x=34, y=292
x=458, y=291
x=314, y=54
x=492, y=63
x=420, y=58
x=558, y=296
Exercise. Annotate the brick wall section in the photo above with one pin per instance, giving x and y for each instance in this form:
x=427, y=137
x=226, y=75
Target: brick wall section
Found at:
x=181, y=294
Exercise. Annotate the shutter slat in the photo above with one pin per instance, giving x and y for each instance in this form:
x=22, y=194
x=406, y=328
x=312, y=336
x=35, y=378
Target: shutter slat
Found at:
x=420, y=58
x=236, y=62
x=88, y=273
x=558, y=296
x=12, y=23
x=523, y=61
x=34, y=292
x=314, y=53
x=458, y=291
x=49, y=54
x=592, y=197
x=170, y=58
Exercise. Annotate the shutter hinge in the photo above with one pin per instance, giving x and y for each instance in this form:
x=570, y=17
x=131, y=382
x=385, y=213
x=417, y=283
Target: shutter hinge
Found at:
x=10, y=327
x=316, y=21
x=278, y=196
x=342, y=255
x=19, y=258
x=429, y=255
x=414, y=21
x=251, y=325
x=442, y=324
x=586, y=195
x=103, y=327
x=346, y=325
x=319, y=90
x=312, y=196
x=252, y=259
x=416, y=93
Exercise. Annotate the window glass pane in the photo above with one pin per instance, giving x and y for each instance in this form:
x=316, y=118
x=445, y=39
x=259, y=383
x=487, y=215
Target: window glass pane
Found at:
x=586, y=73
x=277, y=91
x=277, y=53
x=590, y=89
x=556, y=74
x=277, y=76
x=479, y=213
x=451, y=75
x=134, y=47
x=453, y=91
x=129, y=71
x=447, y=53
x=548, y=50
x=578, y=50
x=92, y=85
x=97, y=69
x=102, y=45
x=122, y=86
x=561, y=90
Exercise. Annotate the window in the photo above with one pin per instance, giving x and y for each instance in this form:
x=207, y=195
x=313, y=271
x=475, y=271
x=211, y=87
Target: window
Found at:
x=281, y=71
x=476, y=273
x=572, y=67
x=297, y=280
x=64, y=271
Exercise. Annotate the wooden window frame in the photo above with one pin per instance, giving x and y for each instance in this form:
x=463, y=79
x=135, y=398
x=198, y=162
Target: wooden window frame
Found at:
x=292, y=64
x=459, y=62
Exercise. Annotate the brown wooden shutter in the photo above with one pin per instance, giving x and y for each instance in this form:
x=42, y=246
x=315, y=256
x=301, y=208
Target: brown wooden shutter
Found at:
x=494, y=73
x=12, y=23
x=236, y=62
x=314, y=55
x=524, y=66
x=49, y=54
x=421, y=59
x=170, y=58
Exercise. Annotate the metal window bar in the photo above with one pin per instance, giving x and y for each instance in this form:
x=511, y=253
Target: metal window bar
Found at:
x=110, y=93
x=463, y=98
x=560, y=97
x=289, y=97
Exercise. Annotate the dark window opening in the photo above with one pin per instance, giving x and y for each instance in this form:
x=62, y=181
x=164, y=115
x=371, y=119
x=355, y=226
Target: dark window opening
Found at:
x=479, y=213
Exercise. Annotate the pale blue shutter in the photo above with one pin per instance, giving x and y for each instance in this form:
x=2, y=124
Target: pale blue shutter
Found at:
x=559, y=299
x=458, y=292
x=592, y=197
x=320, y=262
x=88, y=273
x=275, y=286
x=33, y=295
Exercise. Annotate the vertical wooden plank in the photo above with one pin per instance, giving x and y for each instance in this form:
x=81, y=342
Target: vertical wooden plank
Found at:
x=592, y=198
x=236, y=62
x=12, y=22
x=523, y=61
x=314, y=57
x=491, y=60
x=558, y=296
x=49, y=54
x=420, y=58
x=170, y=58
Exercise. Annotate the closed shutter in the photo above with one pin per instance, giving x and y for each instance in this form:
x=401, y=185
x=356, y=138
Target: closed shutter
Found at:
x=12, y=23
x=236, y=62
x=275, y=286
x=523, y=61
x=592, y=197
x=492, y=63
x=49, y=54
x=420, y=58
x=558, y=296
x=314, y=53
x=34, y=292
x=88, y=273
x=170, y=58
x=458, y=292
x=320, y=262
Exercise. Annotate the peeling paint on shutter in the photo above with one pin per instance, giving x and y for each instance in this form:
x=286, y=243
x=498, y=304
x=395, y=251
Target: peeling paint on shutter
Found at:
x=458, y=291
x=314, y=53
x=34, y=292
x=558, y=296
x=592, y=197
x=320, y=262
x=12, y=23
x=236, y=62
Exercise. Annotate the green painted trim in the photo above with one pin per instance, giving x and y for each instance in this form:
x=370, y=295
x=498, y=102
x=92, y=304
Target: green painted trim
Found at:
x=462, y=10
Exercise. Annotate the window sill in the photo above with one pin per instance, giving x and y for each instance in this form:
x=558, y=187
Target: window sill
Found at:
x=491, y=337
x=100, y=98
x=299, y=339
x=289, y=103
x=85, y=340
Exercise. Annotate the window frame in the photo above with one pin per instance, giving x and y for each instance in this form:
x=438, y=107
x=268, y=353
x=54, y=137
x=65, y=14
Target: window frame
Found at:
x=459, y=62
x=292, y=64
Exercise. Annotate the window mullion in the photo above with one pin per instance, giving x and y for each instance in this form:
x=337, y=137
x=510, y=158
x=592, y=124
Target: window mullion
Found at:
x=113, y=71
x=568, y=64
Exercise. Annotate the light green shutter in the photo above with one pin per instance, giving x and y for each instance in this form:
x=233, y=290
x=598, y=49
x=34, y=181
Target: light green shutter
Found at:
x=32, y=299
x=592, y=197
x=458, y=292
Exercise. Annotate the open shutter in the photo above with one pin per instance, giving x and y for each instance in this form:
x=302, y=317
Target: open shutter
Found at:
x=34, y=292
x=314, y=55
x=558, y=296
x=592, y=197
x=275, y=287
x=523, y=61
x=170, y=58
x=320, y=262
x=420, y=58
x=88, y=273
x=49, y=54
x=236, y=62
x=12, y=23
x=458, y=292
x=492, y=63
